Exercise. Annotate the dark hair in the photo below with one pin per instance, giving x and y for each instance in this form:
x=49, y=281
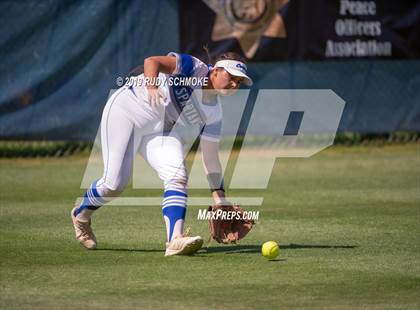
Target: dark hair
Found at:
x=223, y=56
x=230, y=56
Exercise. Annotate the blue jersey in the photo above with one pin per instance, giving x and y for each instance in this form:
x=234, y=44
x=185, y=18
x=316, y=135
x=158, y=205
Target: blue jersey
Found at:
x=187, y=100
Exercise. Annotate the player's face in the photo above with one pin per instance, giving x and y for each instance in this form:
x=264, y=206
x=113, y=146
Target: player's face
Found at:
x=225, y=83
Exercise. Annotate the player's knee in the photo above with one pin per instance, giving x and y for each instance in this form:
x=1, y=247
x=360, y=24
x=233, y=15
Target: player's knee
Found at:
x=180, y=183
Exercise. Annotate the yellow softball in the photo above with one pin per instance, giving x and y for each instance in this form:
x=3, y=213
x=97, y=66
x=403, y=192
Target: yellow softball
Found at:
x=270, y=249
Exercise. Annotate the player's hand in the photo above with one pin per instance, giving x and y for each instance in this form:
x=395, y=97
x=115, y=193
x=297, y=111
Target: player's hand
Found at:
x=155, y=96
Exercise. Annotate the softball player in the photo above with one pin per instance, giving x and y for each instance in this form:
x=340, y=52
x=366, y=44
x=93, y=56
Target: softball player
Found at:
x=142, y=117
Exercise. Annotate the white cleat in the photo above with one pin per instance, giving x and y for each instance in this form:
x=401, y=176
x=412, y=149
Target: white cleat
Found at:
x=181, y=245
x=84, y=233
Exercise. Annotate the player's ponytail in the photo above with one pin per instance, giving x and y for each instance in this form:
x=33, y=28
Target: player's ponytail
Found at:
x=207, y=50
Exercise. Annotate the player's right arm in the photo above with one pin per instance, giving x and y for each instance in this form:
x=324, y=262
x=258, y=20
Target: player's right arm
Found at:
x=152, y=66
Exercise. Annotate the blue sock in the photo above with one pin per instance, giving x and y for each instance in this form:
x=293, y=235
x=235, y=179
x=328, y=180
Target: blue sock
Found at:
x=174, y=210
x=91, y=200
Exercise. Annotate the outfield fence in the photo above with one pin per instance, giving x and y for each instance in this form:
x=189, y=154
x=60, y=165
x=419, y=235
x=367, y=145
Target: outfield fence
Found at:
x=16, y=149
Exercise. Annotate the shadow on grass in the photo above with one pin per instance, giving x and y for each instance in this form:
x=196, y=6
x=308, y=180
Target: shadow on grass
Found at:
x=315, y=246
x=231, y=249
x=129, y=250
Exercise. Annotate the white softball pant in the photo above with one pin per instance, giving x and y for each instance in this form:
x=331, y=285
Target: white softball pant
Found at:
x=130, y=124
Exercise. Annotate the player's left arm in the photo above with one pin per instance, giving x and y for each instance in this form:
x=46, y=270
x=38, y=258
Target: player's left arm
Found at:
x=213, y=168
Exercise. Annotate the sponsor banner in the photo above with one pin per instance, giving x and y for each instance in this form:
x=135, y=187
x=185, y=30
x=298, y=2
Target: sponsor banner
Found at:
x=272, y=30
x=56, y=76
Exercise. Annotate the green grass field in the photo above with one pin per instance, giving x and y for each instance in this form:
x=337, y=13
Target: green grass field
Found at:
x=347, y=221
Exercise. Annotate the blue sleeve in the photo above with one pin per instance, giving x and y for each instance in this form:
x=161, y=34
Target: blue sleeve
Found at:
x=188, y=65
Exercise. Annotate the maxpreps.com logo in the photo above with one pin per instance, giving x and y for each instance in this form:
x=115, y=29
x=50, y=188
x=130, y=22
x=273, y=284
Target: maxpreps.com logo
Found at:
x=220, y=214
x=247, y=21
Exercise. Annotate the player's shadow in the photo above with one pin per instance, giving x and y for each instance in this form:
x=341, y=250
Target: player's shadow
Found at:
x=316, y=246
x=128, y=250
x=232, y=249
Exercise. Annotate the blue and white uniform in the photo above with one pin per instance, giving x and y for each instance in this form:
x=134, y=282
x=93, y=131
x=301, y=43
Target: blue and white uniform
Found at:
x=130, y=123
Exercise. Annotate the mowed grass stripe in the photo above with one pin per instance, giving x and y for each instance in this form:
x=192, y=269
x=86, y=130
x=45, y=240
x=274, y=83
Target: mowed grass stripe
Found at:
x=347, y=221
